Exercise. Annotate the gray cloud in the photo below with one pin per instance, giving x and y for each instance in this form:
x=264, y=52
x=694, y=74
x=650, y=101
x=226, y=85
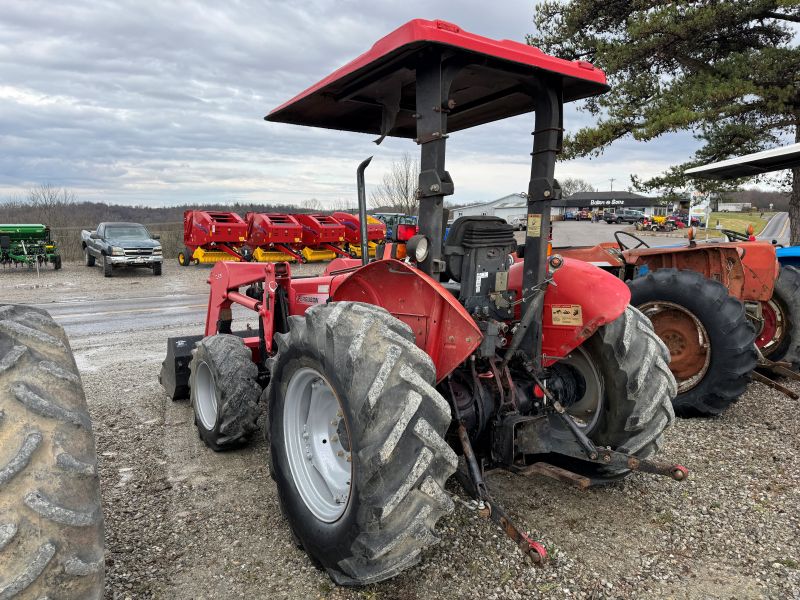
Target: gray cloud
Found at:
x=160, y=103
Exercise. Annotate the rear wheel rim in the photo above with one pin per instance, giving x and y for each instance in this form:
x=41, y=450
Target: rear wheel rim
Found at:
x=318, y=444
x=206, y=397
x=686, y=339
x=585, y=410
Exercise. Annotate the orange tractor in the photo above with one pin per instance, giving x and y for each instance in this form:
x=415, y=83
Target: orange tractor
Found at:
x=713, y=305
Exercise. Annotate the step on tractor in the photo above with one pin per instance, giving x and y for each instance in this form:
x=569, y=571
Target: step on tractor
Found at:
x=376, y=376
x=211, y=236
x=376, y=233
x=274, y=237
x=323, y=238
x=28, y=245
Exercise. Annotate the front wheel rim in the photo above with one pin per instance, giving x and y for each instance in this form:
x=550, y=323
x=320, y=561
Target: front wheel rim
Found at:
x=686, y=339
x=205, y=402
x=318, y=445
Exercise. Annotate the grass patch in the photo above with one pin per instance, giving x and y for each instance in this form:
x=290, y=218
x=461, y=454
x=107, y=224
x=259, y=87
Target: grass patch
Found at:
x=739, y=221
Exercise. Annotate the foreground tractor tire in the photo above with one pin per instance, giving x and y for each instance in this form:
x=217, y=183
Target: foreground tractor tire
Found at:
x=709, y=337
x=626, y=365
x=51, y=525
x=779, y=338
x=224, y=392
x=357, y=441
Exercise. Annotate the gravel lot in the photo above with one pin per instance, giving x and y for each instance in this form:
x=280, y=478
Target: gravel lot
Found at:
x=183, y=522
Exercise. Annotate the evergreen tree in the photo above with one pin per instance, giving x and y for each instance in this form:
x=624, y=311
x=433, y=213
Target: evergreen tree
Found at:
x=726, y=70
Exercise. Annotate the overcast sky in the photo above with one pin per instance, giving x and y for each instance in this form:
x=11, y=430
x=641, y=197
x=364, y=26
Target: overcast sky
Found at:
x=162, y=102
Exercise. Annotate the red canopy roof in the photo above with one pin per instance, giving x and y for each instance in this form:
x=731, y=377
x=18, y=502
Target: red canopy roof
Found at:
x=493, y=85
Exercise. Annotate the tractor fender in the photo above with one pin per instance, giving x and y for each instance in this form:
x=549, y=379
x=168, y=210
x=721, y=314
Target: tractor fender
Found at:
x=583, y=299
x=441, y=325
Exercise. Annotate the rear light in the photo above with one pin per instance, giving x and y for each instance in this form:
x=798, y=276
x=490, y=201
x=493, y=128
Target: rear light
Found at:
x=405, y=232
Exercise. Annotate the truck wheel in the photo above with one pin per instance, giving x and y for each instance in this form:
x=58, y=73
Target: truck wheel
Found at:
x=224, y=391
x=709, y=337
x=88, y=259
x=51, y=525
x=108, y=268
x=157, y=269
x=625, y=388
x=357, y=441
x=779, y=338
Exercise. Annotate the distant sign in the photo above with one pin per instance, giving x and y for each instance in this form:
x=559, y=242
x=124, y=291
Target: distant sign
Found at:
x=607, y=203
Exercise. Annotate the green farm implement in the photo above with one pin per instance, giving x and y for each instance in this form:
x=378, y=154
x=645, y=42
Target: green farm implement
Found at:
x=27, y=244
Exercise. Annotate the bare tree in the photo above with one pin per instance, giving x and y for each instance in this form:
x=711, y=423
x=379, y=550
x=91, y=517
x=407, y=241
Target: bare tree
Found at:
x=398, y=189
x=573, y=185
x=312, y=205
x=50, y=205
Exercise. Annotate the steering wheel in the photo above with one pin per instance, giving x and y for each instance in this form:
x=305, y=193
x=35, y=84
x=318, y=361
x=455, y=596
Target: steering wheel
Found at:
x=639, y=241
x=735, y=235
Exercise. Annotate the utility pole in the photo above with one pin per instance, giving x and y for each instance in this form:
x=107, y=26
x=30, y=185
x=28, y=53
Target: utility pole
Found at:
x=612, y=180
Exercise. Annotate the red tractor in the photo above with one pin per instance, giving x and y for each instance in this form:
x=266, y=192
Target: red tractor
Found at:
x=211, y=236
x=376, y=375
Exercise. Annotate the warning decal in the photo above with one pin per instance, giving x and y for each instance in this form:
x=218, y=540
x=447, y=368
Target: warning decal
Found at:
x=534, y=225
x=567, y=314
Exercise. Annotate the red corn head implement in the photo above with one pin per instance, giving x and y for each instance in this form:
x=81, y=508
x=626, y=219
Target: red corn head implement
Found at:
x=210, y=236
x=376, y=233
x=274, y=237
x=323, y=237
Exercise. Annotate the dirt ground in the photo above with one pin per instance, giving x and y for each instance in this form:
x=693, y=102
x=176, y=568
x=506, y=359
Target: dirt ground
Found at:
x=183, y=522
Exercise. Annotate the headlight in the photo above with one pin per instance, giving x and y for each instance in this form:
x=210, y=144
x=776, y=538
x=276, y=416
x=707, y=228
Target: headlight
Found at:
x=157, y=250
x=417, y=247
x=117, y=251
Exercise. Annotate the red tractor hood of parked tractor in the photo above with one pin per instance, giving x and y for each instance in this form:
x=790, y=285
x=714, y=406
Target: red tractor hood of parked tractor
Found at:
x=496, y=80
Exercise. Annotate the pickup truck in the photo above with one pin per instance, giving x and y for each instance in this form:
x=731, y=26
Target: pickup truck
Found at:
x=117, y=245
x=623, y=215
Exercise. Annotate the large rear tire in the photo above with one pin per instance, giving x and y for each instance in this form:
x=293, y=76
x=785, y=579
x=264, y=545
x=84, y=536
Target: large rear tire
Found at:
x=224, y=392
x=381, y=468
x=51, y=525
x=779, y=339
x=625, y=368
x=710, y=339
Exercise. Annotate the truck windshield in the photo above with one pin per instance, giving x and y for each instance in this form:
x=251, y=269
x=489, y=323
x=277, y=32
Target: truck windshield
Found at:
x=127, y=232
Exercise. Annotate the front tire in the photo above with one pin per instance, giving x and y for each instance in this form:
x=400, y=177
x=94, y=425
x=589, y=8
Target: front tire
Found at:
x=224, y=392
x=390, y=423
x=708, y=334
x=108, y=267
x=157, y=269
x=51, y=523
x=88, y=259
